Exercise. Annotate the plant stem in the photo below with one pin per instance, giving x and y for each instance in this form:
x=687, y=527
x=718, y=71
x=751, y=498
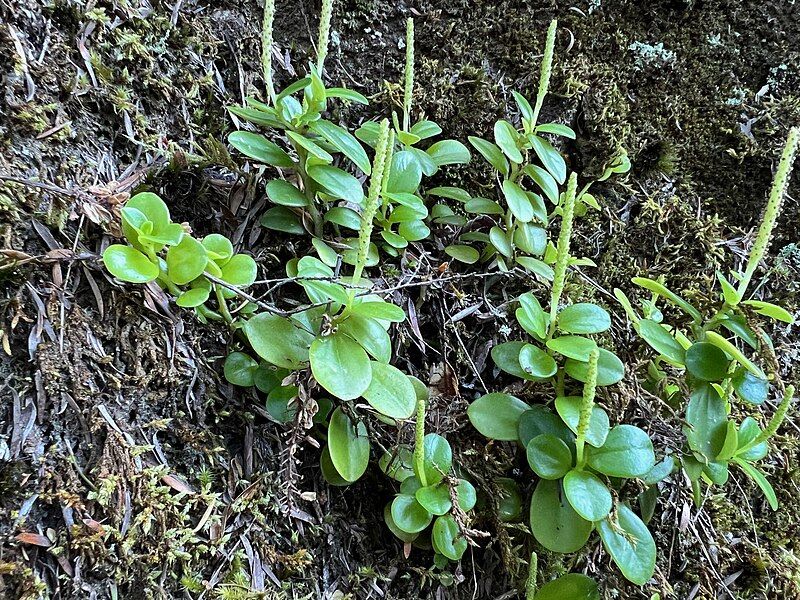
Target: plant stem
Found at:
x=223, y=304
x=778, y=192
x=419, y=441
x=530, y=584
x=589, y=391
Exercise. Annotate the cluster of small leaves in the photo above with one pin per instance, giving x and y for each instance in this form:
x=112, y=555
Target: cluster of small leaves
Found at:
x=190, y=269
x=432, y=502
x=710, y=357
x=529, y=170
x=317, y=187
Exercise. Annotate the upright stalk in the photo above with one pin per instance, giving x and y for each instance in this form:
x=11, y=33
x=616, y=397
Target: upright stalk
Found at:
x=530, y=583
x=562, y=250
x=589, y=391
x=547, y=67
x=324, y=34
x=409, y=74
x=778, y=192
x=266, y=47
x=371, y=206
x=419, y=441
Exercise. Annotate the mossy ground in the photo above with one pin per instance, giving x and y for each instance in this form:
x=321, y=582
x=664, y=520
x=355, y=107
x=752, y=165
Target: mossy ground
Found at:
x=148, y=476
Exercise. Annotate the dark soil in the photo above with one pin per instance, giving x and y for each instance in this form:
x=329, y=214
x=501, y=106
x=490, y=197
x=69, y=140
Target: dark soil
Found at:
x=133, y=470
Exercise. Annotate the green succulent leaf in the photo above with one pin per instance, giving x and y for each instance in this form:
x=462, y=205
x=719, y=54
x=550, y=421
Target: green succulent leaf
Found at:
x=497, y=415
x=280, y=218
x=706, y=420
x=550, y=157
x=583, y=318
x=463, y=253
x=748, y=432
x=662, y=290
x=549, y=456
x=773, y=311
x=627, y=452
x=610, y=369
x=438, y=458
x=532, y=317
x=449, y=152
x=435, y=498
x=725, y=345
x=554, y=523
x=383, y=311
x=409, y=515
x=399, y=533
x=572, y=586
x=343, y=141
x=285, y=194
x=506, y=138
x=128, y=264
x=537, y=362
x=544, y=180
x=569, y=409
x=241, y=270
x=348, y=445
x=510, y=502
x=371, y=335
x=760, y=480
x=281, y=403
x=390, y=392
x=239, y=369
x=337, y=183
x=750, y=388
x=329, y=472
x=539, y=420
x=491, y=153
x=573, y=346
x=707, y=362
x=467, y=496
x=518, y=201
x=281, y=341
x=556, y=129
x=193, y=298
x=587, y=495
x=447, y=539
x=662, y=341
x=341, y=366
x=260, y=148
x=398, y=464
x=630, y=545
x=405, y=174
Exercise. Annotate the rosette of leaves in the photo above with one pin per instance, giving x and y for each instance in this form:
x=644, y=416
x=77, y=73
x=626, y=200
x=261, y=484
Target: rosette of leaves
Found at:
x=162, y=251
x=432, y=501
x=401, y=218
x=712, y=356
x=579, y=459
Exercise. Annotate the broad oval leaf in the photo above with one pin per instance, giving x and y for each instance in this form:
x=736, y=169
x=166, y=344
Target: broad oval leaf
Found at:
x=344, y=142
x=340, y=365
x=449, y=152
x=550, y=157
x=435, y=498
x=628, y=452
x=447, y=539
x=239, y=369
x=518, y=201
x=260, y=148
x=337, y=183
x=554, y=523
x=583, y=318
x=707, y=362
x=537, y=362
x=282, y=341
x=573, y=346
x=348, y=445
x=128, y=264
x=463, y=253
x=390, y=392
x=549, y=456
x=405, y=174
x=497, y=415
x=544, y=180
x=409, y=515
x=630, y=545
x=437, y=460
x=506, y=138
x=539, y=420
x=610, y=369
x=285, y=194
x=662, y=341
x=491, y=153
x=186, y=261
x=569, y=409
x=572, y=586
x=587, y=495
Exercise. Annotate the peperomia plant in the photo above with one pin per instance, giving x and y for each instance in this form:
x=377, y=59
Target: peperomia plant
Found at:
x=529, y=169
x=316, y=188
x=429, y=492
x=577, y=455
x=710, y=356
x=190, y=269
x=342, y=336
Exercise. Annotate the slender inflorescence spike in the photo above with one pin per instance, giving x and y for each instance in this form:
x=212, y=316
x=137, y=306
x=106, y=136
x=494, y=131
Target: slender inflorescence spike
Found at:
x=324, y=34
x=419, y=441
x=777, y=418
x=266, y=47
x=530, y=584
x=387, y=171
x=589, y=391
x=547, y=67
x=371, y=206
x=778, y=192
x=409, y=74
x=562, y=251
